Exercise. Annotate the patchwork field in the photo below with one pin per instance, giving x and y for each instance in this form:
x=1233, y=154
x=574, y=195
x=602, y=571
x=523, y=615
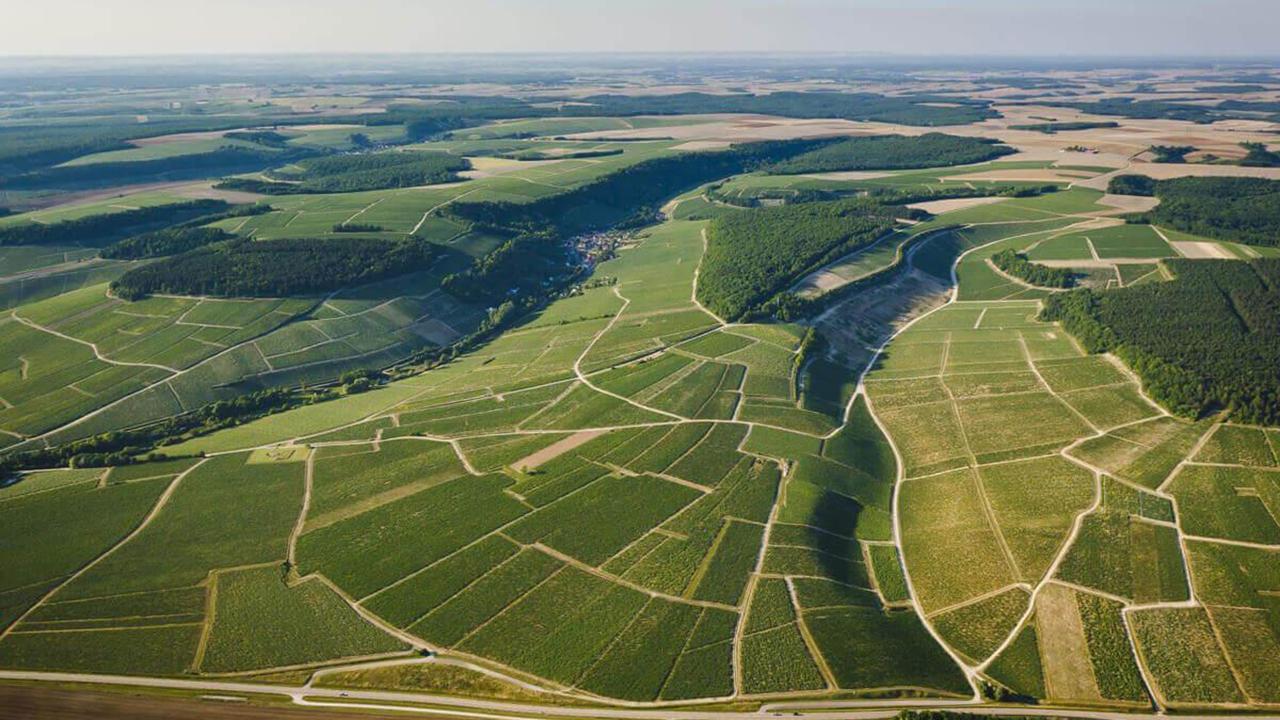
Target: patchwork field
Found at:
x=913, y=489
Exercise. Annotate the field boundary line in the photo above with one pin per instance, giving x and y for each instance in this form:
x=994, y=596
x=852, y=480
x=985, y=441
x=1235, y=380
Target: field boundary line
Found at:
x=810, y=643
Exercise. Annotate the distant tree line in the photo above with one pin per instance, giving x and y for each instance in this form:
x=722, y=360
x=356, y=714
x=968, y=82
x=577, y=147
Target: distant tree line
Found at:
x=753, y=256
x=1017, y=265
x=266, y=138
x=103, y=228
x=276, y=268
x=529, y=155
x=1050, y=128
x=1207, y=341
x=227, y=159
x=360, y=172
x=892, y=152
x=631, y=193
x=180, y=237
x=755, y=197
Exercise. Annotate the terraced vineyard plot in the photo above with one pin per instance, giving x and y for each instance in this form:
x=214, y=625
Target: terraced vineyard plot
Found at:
x=1252, y=649
x=894, y=648
x=1018, y=667
x=1127, y=557
x=35, y=519
x=373, y=549
x=1179, y=648
x=1231, y=503
x=1130, y=241
x=350, y=481
x=459, y=616
x=1035, y=503
x=636, y=664
x=777, y=660
x=1145, y=453
x=944, y=527
x=192, y=537
x=1238, y=445
x=1110, y=651
x=978, y=629
x=595, y=523
x=260, y=622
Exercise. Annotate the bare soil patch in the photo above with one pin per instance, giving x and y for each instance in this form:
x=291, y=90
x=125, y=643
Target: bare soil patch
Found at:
x=1129, y=203
x=1064, y=651
x=1202, y=250
x=556, y=449
x=942, y=206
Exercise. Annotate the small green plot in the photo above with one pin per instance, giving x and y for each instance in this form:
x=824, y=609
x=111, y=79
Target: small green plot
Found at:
x=1130, y=241
x=1065, y=247
x=869, y=648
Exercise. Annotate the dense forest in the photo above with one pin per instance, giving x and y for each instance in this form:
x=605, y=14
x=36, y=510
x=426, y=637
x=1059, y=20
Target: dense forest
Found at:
x=1051, y=128
x=354, y=173
x=753, y=256
x=101, y=229
x=276, y=268
x=1206, y=341
x=159, y=243
x=892, y=152
x=1016, y=264
x=1241, y=209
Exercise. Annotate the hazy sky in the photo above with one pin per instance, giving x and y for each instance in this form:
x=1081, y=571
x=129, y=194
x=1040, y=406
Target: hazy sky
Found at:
x=988, y=27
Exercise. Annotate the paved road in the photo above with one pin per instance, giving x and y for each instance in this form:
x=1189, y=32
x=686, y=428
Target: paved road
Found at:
x=442, y=706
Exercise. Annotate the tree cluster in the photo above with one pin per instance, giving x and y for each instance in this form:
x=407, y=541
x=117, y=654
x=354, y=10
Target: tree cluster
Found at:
x=1016, y=264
